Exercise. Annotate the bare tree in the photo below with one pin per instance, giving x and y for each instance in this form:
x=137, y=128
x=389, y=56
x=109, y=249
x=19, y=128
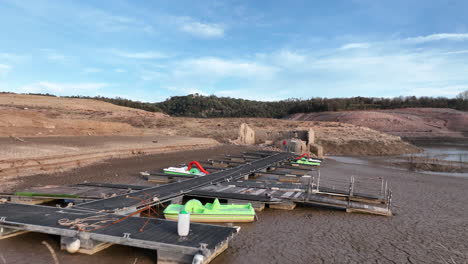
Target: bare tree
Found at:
x=463, y=95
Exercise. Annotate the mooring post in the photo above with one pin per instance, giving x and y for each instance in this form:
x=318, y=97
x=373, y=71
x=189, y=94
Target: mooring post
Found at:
x=389, y=200
x=309, y=187
x=318, y=180
x=351, y=189
x=386, y=187
x=382, y=193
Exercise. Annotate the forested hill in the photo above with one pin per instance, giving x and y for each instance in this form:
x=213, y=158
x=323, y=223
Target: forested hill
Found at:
x=195, y=105
x=212, y=106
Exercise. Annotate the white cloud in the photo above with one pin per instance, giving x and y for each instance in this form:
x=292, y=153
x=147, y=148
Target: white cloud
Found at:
x=359, y=45
x=150, y=75
x=185, y=90
x=119, y=70
x=108, y=22
x=447, y=91
x=203, y=30
x=55, y=56
x=287, y=57
x=4, y=68
x=218, y=67
x=407, y=41
x=140, y=55
x=91, y=70
x=437, y=37
x=12, y=58
x=456, y=52
x=61, y=88
x=251, y=94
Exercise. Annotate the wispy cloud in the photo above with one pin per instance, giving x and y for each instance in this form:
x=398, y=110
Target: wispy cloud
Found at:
x=61, y=88
x=55, y=56
x=456, y=52
x=389, y=69
x=202, y=30
x=438, y=37
x=288, y=57
x=12, y=58
x=4, y=68
x=109, y=22
x=219, y=67
x=258, y=95
x=447, y=91
x=92, y=70
x=178, y=90
x=140, y=55
x=360, y=45
x=146, y=75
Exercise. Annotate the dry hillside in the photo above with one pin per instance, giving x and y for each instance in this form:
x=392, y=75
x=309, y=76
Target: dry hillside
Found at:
x=406, y=122
x=28, y=115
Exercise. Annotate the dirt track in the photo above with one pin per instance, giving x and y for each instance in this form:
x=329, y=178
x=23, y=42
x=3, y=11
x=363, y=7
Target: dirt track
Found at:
x=429, y=225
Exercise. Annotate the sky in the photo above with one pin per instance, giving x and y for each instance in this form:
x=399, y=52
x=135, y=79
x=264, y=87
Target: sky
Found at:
x=261, y=50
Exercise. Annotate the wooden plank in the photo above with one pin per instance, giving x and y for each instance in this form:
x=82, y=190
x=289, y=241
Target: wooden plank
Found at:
x=258, y=192
x=287, y=194
x=224, y=189
x=297, y=195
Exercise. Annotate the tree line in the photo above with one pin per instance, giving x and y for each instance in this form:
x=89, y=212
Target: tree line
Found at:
x=195, y=105
x=212, y=106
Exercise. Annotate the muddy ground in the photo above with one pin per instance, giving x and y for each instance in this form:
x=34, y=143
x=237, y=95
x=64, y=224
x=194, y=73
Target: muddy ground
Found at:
x=429, y=223
x=34, y=155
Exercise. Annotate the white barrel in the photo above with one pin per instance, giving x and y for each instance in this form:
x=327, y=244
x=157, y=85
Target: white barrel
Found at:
x=72, y=245
x=198, y=259
x=183, y=223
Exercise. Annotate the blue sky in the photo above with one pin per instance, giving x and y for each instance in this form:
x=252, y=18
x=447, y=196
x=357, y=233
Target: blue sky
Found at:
x=263, y=50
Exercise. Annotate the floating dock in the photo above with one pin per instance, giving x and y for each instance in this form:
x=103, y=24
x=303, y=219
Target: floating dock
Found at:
x=102, y=222
x=97, y=229
x=106, y=214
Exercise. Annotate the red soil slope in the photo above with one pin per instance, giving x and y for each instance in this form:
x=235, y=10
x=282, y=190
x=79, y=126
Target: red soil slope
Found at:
x=405, y=122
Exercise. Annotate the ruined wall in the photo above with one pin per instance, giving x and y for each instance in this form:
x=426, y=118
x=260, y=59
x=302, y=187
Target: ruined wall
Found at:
x=246, y=135
x=298, y=141
x=262, y=136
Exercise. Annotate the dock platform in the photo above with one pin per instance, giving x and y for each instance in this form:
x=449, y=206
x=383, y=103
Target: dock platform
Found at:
x=159, y=194
x=150, y=233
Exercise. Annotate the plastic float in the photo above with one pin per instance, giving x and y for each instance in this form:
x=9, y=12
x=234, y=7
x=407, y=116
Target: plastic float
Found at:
x=212, y=212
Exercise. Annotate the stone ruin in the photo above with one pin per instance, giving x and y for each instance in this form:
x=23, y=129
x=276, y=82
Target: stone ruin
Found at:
x=298, y=141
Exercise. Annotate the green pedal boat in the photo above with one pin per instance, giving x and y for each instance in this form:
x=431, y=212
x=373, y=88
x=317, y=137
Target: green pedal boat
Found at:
x=307, y=160
x=212, y=212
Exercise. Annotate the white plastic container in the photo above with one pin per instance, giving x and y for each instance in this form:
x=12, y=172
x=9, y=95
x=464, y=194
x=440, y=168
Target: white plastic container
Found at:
x=183, y=223
x=72, y=245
